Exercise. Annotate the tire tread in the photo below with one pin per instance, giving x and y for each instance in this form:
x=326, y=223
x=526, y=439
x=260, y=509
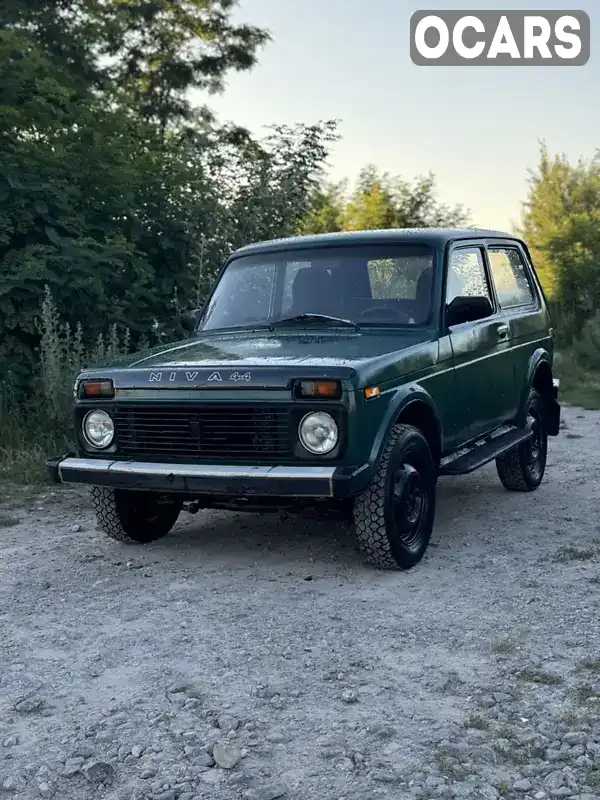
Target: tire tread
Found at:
x=369, y=508
x=510, y=467
x=106, y=508
x=104, y=505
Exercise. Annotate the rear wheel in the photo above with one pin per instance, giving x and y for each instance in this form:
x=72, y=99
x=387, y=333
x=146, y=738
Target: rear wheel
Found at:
x=394, y=517
x=134, y=517
x=522, y=469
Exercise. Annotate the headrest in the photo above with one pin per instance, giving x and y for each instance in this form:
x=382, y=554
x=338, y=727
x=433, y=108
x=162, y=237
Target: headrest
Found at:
x=312, y=291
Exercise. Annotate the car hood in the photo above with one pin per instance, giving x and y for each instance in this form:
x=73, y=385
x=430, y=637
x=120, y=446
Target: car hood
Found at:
x=261, y=358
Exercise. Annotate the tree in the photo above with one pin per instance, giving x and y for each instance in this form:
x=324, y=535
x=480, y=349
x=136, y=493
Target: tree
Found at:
x=147, y=54
x=380, y=201
x=561, y=222
x=326, y=208
x=118, y=218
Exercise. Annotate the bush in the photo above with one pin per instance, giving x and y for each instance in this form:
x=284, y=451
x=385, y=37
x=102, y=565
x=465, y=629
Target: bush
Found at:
x=586, y=347
x=577, y=365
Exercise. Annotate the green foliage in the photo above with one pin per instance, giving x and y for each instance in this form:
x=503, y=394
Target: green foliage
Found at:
x=32, y=427
x=325, y=214
x=561, y=221
x=125, y=223
x=145, y=55
x=578, y=366
x=119, y=199
x=86, y=209
x=380, y=201
x=62, y=355
x=586, y=348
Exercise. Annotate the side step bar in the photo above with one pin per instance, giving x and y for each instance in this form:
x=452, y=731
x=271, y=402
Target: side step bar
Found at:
x=481, y=454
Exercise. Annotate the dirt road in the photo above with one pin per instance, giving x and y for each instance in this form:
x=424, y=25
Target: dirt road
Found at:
x=270, y=648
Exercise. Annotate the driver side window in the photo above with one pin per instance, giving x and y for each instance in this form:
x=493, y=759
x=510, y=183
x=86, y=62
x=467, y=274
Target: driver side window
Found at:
x=466, y=275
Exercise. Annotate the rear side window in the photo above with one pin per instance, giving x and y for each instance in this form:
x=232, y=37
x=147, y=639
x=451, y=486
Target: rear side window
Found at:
x=510, y=277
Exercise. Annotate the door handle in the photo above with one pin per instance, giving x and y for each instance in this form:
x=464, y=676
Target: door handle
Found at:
x=502, y=331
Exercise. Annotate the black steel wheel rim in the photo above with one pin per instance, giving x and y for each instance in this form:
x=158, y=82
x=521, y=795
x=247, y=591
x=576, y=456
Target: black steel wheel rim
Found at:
x=409, y=499
x=536, y=446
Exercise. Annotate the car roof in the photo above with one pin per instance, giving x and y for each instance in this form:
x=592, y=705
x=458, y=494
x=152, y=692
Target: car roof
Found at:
x=436, y=237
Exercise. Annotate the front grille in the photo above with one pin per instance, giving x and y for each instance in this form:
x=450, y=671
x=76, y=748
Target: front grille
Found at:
x=203, y=432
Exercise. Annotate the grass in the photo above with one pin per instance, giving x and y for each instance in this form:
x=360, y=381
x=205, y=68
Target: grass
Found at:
x=579, y=385
x=570, y=553
x=477, y=721
x=450, y=768
x=452, y=685
x=571, y=719
x=590, y=664
x=33, y=430
x=504, y=647
x=592, y=778
x=25, y=465
x=579, y=388
x=540, y=676
x=506, y=732
x=586, y=692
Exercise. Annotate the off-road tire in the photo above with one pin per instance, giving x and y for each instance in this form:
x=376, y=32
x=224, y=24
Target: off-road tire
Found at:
x=514, y=469
x=134, y=517
x=376, y=535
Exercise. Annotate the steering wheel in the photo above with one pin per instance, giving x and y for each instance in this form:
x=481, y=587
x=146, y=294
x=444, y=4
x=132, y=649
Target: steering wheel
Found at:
x=393, y=314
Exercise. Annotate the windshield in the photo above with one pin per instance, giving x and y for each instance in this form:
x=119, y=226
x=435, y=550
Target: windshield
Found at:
x=377, y=285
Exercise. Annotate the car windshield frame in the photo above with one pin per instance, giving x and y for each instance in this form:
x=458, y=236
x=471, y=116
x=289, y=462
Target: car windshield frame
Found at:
x=281, y=258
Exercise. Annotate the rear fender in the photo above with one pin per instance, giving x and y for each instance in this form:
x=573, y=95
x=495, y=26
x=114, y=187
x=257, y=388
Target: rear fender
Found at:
x=540, y=377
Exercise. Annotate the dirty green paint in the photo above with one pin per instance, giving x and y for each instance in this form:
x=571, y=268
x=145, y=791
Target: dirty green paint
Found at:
x=471, y=379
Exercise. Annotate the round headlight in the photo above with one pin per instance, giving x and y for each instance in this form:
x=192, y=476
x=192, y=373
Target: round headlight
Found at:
x=98, y=429
x=318, y=433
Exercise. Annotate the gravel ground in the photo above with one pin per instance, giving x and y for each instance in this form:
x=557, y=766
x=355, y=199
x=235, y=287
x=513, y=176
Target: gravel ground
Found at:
x=268, y=647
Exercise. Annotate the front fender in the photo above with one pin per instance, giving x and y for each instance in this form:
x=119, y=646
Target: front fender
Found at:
x=403, y=397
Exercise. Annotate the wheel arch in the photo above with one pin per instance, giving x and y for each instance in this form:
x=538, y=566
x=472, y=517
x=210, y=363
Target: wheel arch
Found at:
x=411, y=406
x=540, y=377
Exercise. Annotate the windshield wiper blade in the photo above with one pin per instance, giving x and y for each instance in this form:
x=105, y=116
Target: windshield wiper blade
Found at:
x=314, y=318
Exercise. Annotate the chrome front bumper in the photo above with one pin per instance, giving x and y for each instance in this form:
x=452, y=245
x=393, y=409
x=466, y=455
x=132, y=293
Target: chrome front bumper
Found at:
x=211, y=479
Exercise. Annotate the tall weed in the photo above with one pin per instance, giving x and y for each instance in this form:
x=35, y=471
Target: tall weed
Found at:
x=578, y=366
x=33, y=426
x=586, y=347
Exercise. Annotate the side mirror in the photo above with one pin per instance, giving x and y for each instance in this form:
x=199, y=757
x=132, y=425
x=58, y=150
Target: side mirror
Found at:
x=468, y=309
x=189, y=319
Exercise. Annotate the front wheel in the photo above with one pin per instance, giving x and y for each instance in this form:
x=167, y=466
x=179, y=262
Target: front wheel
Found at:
x=132, y=516
x=394, y=517
x=522, y=469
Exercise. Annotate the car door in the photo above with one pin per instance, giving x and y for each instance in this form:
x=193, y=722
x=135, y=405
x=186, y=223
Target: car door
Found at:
x=483, y=378
x=520, y=309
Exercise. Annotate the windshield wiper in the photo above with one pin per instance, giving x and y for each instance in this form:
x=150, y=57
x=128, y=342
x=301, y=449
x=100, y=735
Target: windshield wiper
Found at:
x=313, y=318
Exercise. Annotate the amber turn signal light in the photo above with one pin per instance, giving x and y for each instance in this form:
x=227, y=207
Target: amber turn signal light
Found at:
x=372, y=391
x=90, y=390
x=327, y=390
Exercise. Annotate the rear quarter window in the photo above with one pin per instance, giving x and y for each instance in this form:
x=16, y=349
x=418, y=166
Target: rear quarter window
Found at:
x=510, y=278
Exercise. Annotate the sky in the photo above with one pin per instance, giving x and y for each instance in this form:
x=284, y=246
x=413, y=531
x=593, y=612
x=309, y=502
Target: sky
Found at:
x=476, y=128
